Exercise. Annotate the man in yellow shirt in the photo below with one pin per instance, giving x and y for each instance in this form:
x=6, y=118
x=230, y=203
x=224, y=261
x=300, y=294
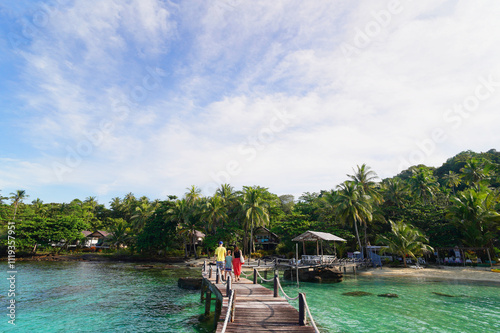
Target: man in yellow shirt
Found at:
x=220, y=256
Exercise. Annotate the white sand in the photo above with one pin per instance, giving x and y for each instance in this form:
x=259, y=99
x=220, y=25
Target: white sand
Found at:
x=452, y=273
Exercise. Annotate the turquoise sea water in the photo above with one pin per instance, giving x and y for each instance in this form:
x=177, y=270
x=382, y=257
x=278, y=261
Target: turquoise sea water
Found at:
x=117, y=297
x=100, y=297
x=475, y=306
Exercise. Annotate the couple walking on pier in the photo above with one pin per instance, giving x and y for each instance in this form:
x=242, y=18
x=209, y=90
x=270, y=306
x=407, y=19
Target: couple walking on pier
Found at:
x=228, y=263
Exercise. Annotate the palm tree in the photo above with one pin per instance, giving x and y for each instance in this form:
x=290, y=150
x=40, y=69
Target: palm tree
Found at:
x=365, y=178
x=405, y=240
x=128, y=206
x=193, y=194
x=474, y=172
x=119, y=235
x=215, y=211
x=422, y=183
x=475, y=214
x=255, y=210
x=226, y=191
x=1, y=198
x=352, y=206
x=395, y=191
x=38, y=207
x=88, y=208
x=182, y=213
x=17, y=198
x=143, y=211
x=452, y=180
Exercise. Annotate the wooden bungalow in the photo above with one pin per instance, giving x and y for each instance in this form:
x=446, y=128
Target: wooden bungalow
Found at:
x=96, y=238
x=265, y=239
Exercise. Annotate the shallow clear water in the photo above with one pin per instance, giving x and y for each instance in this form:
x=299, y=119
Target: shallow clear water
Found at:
x=475, y=307
x=117, y=297
x=105, y=297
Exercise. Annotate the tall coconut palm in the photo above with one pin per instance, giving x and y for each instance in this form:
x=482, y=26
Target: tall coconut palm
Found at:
x=128, y=205
x=215, y=211
x=352, y=206
x=365, y=178
x=182, y=213
x=226, y=191
x=256, y=212
x=193, y=194
x=405, y=240
x=17, y=198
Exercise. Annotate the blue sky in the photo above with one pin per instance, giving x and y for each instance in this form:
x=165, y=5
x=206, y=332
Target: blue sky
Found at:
x=151, y=97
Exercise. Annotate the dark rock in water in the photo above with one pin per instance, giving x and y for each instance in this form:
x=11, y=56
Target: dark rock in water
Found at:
x=357, y=293
x=316, y=274
x=189, y=283
x=388, y=295
x=441, y=294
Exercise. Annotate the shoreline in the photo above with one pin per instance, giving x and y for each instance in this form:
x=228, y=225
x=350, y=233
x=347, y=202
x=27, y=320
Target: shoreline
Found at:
x=480, y=274
x=98, y=257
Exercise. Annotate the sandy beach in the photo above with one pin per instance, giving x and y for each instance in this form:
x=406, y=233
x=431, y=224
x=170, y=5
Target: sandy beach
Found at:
x=452, y=273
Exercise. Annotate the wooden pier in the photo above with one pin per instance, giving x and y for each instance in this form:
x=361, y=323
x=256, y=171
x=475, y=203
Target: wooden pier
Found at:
x=255, y=309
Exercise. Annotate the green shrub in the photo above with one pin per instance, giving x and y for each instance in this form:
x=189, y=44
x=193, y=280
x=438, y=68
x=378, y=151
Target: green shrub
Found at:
x=395, y=263
x=281, y=249
x=255, y=255
x=175, y=253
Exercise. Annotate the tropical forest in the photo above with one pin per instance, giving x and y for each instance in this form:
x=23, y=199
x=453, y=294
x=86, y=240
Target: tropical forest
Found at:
x=456, y=204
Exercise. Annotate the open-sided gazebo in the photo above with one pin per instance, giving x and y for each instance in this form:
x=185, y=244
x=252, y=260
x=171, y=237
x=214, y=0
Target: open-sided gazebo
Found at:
x=318, y=237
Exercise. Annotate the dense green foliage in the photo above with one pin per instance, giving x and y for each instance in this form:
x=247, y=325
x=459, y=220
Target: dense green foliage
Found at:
x=457, y=204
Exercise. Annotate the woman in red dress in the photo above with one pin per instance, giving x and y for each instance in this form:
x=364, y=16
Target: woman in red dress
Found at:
x=237, y=263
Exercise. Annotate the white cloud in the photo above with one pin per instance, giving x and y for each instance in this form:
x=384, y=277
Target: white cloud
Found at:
x=229, y=68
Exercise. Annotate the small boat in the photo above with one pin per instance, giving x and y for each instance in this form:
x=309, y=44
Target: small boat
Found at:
x=496, y=270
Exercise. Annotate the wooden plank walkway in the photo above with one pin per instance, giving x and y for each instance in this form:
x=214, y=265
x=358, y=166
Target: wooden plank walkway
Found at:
x=256, y=310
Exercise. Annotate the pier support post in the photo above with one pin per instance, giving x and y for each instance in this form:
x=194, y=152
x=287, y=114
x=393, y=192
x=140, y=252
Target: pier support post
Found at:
x=228, y=286
x=233, y=307
x=204, y=266
x=210, y=272
x=302, y=309
x=218, y=309
x=265, y=274
x=258, y=263
x=275, y=284
x=255, y=276
x=217, y=276
x=208, y=299
x=203, y=289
